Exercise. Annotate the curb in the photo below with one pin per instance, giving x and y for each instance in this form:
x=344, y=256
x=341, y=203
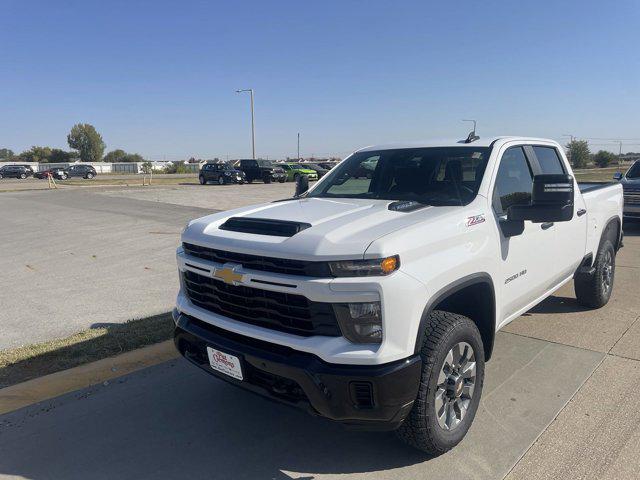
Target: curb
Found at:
x=56, y=384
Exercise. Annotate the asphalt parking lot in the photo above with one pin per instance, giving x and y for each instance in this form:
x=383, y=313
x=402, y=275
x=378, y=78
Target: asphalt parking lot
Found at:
x=560, y=400
x=80, y=256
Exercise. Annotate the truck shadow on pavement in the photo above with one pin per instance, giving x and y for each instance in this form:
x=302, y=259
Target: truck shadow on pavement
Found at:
x=171, y=421
x=556, y=304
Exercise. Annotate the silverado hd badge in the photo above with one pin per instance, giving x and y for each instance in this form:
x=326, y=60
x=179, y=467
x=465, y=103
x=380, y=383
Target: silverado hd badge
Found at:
x=228, y=274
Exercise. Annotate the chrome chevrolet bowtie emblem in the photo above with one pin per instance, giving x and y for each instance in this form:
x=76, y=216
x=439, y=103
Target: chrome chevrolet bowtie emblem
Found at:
x=228, y=274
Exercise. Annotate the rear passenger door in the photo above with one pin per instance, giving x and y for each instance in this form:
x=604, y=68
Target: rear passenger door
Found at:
x=569, y=237
x=524, y=264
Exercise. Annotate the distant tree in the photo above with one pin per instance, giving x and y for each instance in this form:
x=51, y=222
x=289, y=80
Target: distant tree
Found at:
x=6, y=154
x=118, y=156
x=147, y=167
x=578, y=153
x=61, y=156
x=115, y=156
x=603, y=158
x=133, y=157
x=84, y=138
x=35, y=154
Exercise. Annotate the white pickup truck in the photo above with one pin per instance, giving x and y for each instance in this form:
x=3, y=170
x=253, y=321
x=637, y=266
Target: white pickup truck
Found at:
x=373, y=298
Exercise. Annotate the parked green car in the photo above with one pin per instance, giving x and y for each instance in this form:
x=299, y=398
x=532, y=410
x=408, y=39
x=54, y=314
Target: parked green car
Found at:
x=294, y=170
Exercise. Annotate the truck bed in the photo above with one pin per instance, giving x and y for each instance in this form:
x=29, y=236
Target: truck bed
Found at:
x=603, y=201
x=589, y=186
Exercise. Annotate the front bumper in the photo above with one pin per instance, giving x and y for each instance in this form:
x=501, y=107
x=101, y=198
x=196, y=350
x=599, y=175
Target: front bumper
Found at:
x=631, y=211
x=367, y=396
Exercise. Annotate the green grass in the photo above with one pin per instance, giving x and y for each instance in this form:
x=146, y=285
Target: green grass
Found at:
x=32, y=361
x=596, y=174
x=129, y=182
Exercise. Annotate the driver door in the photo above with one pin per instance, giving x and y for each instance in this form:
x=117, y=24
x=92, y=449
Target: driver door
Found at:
x=524, y=269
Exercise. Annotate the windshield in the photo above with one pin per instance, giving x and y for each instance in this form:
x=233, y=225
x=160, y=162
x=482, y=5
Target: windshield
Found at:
x=634, y=171
x=434, y=176
x=265, y=163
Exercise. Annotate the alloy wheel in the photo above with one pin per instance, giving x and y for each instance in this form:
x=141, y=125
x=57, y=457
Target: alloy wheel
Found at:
x=456, y=384
x=607, y=271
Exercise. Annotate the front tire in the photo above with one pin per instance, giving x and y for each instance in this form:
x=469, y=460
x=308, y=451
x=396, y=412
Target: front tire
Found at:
x=23, y=176
x=201, y=180
x=594, y=290
x=220, y=181
x=450, y=385
x=89, y=176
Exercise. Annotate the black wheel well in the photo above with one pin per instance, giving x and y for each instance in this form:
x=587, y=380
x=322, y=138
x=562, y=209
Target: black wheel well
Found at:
x=612, y=231
x=475, y=299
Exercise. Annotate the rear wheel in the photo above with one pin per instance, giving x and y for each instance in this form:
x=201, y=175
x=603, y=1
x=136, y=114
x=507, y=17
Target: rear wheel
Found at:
x=595, y=290
x=64, y=176
x=450, y=385
x=266, y=179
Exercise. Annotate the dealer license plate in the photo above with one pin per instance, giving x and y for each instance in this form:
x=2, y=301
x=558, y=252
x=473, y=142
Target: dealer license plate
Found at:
x=225, y=363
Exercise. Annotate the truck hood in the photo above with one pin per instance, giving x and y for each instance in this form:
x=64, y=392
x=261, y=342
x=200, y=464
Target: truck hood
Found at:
x=340, y=228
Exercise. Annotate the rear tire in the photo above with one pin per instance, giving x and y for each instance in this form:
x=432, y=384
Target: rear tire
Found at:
x=267, y=179
x=450, y=385
x=594, y=290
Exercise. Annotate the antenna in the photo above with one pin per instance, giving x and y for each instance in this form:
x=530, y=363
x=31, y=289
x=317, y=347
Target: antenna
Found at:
x=472, y=137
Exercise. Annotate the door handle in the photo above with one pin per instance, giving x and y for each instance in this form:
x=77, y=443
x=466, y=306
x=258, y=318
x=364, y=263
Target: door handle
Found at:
x=581, y=212
x=546, y=226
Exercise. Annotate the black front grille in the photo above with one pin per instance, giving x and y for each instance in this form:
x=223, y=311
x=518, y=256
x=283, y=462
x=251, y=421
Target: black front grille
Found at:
x=275, y=310
x=632, y=195
x=257, y=262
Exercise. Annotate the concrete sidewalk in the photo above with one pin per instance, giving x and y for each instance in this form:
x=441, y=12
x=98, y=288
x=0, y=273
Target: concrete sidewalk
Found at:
x=174, y=421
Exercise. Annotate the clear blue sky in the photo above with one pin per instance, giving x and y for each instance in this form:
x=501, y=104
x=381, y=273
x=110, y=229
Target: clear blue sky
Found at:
x=159, y=77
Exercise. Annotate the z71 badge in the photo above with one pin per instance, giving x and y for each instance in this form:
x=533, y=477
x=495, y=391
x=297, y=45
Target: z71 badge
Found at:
x=475, y=220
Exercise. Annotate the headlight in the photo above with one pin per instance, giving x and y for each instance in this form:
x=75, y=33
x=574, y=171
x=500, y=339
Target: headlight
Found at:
x=365, y=268
x=360, y=322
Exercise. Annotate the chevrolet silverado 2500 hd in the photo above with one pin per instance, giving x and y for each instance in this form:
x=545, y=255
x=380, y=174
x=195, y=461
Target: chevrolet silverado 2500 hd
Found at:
x=374, y=300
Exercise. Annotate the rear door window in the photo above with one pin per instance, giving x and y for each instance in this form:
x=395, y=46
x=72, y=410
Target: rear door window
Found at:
x=549, y=160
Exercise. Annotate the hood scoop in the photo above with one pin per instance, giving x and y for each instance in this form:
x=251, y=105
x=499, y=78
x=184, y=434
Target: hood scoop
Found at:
x=406, y=206
x=261, y=226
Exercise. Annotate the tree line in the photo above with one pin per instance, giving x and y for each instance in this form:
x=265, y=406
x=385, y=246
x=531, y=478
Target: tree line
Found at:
x=580, y=155
x=85, y=143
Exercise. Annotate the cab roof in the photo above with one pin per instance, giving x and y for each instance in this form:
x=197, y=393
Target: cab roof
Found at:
x=481, y=142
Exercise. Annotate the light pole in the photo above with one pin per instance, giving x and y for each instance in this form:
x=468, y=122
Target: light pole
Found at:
x=298, y=146
x=253, y=128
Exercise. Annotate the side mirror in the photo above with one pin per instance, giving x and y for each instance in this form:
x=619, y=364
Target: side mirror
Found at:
x=617, y=176
x=302, y=185
x=551, y=200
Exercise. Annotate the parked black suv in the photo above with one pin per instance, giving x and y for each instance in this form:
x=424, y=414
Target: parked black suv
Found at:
x=84, y=171
x=221, y=173
x=261, y=170
x=16, y=171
